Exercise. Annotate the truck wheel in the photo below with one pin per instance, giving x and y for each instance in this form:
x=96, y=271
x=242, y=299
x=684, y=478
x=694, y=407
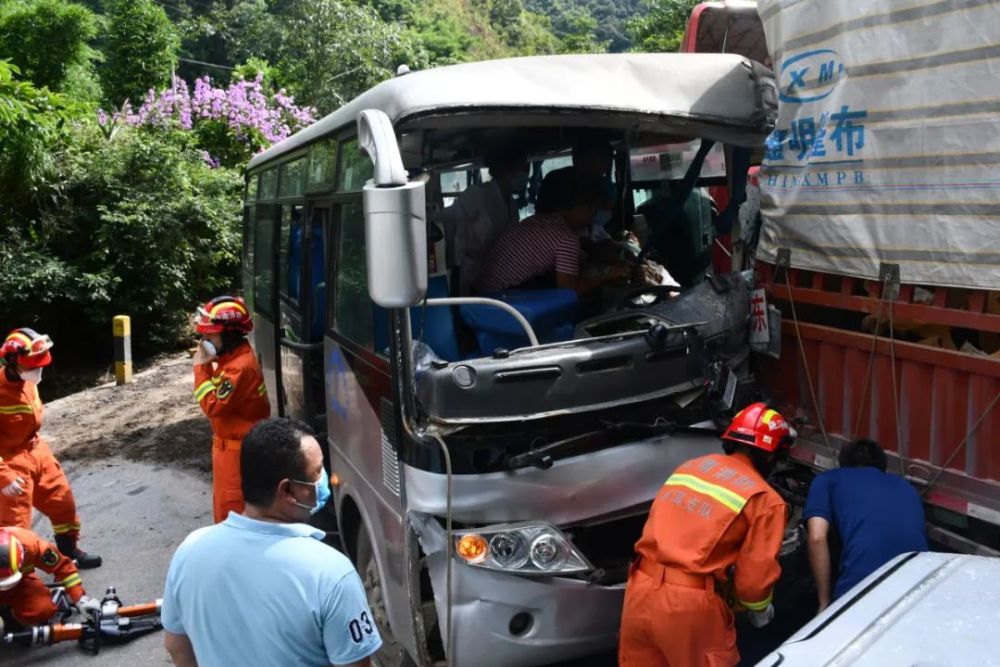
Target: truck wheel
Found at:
x=392, y=653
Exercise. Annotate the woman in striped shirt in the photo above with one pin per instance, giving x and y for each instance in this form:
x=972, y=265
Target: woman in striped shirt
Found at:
x=543, y=251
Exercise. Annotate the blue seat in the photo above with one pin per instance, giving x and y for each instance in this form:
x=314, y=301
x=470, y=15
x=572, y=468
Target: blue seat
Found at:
x=551, y=313
x=435, y=326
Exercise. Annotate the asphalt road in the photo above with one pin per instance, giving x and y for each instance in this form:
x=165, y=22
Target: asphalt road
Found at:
x=133, y=515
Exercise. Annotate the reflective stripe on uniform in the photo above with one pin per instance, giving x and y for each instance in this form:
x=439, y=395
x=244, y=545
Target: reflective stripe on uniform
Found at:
x=63, y=528
x=72, y=580
x=728, y=498
x=19, y=409
x=262, y=389
x=204, y=389
x=15, y=562
x=757, y=606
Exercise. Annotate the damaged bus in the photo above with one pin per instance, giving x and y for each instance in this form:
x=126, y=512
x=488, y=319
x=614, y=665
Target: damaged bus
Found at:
x=493, y=456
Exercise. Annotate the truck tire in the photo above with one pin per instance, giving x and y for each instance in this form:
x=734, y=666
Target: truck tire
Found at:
x=392, y=653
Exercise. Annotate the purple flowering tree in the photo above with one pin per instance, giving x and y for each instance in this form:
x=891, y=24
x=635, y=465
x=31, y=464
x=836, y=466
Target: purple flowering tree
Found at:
x=231, y=123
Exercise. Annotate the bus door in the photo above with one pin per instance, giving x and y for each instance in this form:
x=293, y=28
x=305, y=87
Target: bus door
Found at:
x=302, y=309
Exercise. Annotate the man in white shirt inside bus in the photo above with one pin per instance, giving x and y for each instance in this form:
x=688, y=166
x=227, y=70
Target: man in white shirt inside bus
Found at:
x=483, y=212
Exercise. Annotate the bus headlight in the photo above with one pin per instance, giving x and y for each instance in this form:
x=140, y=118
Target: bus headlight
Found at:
x=529, y=548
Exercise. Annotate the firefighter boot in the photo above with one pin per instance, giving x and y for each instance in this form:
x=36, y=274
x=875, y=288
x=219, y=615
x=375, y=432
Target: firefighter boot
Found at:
x=67, y=545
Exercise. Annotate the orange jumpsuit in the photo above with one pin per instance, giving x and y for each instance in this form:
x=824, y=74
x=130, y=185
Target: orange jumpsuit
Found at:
x=25, y=454
x=231, y=392
x=31, y=600
x=713, y=513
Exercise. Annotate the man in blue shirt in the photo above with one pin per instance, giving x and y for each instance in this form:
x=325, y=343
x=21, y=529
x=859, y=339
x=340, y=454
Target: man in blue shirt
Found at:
x=261, y=588
x=877, y=516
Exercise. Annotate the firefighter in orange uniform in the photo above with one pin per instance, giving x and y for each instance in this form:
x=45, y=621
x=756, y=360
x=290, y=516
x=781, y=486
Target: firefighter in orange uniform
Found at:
x=30, y=600
x=229, y=387
x=715, y=517
x=29, y=475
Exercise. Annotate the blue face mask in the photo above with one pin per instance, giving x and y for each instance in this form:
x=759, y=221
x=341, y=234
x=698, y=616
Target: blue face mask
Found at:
x=602, y=218
x=322, y=492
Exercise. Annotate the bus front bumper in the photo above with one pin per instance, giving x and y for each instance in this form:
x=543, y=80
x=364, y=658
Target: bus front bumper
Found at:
x=505, y=620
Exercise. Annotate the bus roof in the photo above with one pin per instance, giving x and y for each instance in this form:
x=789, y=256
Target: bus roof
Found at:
x=708, y=94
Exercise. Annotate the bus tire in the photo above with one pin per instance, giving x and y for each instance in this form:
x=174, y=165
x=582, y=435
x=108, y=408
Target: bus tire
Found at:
x=392, y=653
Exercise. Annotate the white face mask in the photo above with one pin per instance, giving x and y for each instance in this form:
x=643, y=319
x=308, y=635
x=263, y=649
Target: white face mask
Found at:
x=209, y=348
x=32, y=375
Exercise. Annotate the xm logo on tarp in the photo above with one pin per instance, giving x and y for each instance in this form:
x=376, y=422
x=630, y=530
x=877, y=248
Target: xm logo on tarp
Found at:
x=810, y=76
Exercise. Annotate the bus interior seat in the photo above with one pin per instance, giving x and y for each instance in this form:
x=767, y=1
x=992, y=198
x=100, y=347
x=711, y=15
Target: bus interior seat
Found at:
x=551, y=313
x=434, y=326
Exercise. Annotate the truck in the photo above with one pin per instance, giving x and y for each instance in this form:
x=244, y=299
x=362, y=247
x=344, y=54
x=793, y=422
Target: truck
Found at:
x=880, y=249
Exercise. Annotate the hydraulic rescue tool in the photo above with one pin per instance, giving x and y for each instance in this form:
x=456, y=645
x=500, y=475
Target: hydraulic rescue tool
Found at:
x=114, y=624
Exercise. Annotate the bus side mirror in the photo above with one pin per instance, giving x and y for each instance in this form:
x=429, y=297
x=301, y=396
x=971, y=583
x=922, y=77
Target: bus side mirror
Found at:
x=395, y=219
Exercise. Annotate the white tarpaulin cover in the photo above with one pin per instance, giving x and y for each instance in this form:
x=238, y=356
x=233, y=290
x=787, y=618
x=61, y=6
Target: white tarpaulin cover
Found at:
x=887, y=146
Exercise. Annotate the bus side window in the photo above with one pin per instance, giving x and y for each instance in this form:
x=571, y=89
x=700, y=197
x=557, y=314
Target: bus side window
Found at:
x=263, y=261
x=353, y=308
x=290, y=264
x=249, y=239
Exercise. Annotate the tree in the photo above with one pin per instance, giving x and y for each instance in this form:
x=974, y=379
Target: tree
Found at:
x=332, y=50
x=581, y=36
x=31, y=126
x=661, y=29
x=140, y=50
x=46, y=39
x=231, y=124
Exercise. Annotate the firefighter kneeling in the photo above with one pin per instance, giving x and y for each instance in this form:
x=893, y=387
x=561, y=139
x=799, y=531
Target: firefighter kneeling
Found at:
x=30, y=600
x=714, y=515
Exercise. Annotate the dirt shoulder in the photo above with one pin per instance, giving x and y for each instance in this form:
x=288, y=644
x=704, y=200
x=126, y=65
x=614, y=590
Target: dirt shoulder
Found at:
x=153, y=420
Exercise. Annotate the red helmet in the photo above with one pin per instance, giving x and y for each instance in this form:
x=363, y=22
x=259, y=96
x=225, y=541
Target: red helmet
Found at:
x=759, y=426
x=27, y=347
x=224, y=313
x=11, y=559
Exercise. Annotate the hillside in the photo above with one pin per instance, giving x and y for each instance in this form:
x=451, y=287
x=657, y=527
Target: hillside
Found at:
x=610, y=18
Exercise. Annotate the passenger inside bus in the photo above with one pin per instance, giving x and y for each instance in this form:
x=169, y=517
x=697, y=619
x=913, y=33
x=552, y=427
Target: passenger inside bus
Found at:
x=543, y=251
x=482, y=213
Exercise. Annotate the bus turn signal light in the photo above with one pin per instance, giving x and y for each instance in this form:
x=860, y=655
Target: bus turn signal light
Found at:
x=472, y=548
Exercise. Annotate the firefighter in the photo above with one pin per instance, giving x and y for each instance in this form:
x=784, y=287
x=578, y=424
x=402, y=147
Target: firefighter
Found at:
x=30, y=476
x=31, y=602
x=714, y=531
x=229, y=387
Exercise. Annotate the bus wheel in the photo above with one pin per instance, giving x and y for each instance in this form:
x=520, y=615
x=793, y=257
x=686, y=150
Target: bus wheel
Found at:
x=392, y=653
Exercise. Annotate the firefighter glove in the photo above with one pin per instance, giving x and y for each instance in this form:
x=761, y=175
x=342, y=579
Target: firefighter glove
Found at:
x=89, y=608
x=14, y=488
x=761, y=618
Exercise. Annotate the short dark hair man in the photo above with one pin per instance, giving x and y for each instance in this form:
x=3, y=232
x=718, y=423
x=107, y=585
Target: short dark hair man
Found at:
x=876, y=515
x=261, y=588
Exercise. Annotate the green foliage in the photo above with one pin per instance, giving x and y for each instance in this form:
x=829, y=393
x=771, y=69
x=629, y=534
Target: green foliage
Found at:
x=145, y=228
x=140, y=52
x=47, y=40
x=581, y=36
x=31, y=132
x=661, y=28
x=393, y=10
x=329, y=51
x=611, y=16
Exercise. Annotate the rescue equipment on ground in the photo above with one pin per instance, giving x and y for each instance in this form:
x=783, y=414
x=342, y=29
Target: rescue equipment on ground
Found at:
x=113, y=624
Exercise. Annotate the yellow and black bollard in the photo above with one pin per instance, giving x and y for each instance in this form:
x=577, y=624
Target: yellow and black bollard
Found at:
x=122, y=329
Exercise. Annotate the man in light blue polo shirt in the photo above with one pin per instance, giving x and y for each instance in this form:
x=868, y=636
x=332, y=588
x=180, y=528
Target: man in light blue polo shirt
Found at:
x=261, y=588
